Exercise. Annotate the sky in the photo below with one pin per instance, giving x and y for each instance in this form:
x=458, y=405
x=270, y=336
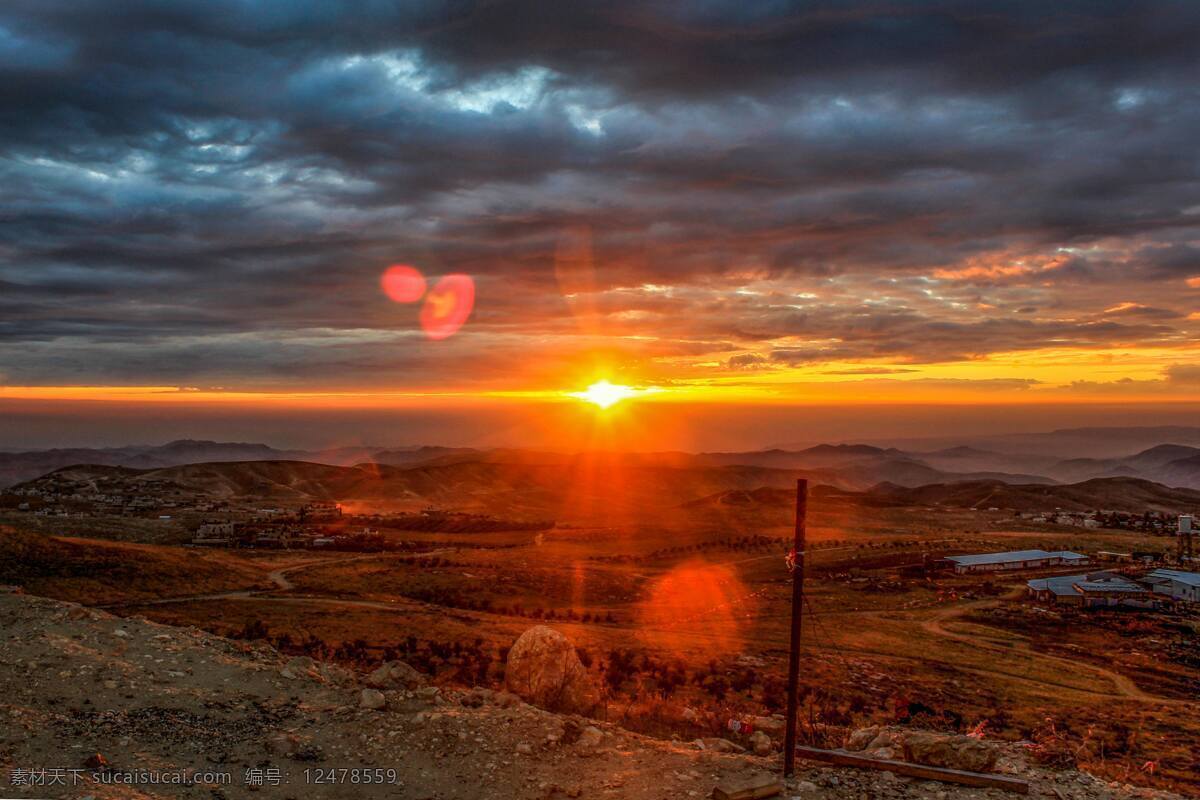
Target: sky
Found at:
x=771, y=207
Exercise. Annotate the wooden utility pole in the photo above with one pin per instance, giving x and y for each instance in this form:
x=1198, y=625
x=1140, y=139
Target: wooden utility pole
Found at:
x=796, y=563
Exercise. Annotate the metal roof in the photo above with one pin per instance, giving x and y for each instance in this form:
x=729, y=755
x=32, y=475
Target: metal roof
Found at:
x=1014, y=555
x=1189, y=578
x=1067, y=585
x=1110, y=586
x=1062, y=586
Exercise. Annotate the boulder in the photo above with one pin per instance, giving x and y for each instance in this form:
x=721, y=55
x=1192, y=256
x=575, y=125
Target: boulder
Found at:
x=544, y=670
x=952, y=752
x=372, y=698
x=395, y=675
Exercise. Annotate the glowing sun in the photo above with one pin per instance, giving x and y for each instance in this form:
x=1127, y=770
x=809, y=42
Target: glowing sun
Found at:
x=605, y=394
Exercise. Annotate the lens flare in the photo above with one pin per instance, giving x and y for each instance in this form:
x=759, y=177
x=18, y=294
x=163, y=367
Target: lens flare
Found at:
x=447, y=306
x=402, y=283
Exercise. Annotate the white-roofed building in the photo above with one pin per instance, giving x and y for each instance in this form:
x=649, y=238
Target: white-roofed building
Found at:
x=1016, y=559
x=1176, y=584
x=1092, y=590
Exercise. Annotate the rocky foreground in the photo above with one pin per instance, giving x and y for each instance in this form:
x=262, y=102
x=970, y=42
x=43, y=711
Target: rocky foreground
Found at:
x=93, y=705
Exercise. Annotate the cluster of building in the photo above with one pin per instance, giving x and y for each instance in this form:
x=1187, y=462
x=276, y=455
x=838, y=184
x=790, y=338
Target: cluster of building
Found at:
x=304, y=527
x=1153, y=589
x=1099, y=589
x=71, y=498
x=1152, y=522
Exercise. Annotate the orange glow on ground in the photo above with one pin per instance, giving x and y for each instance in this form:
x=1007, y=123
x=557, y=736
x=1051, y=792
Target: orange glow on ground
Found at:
x=693, y=597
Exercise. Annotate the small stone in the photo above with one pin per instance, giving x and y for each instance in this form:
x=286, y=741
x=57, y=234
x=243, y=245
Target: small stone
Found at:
x=372, y=699
x=761, y=744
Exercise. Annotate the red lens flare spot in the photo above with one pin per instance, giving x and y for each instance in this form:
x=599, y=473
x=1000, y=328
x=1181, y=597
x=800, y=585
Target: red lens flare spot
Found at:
x=402, y=283
x=447, y=306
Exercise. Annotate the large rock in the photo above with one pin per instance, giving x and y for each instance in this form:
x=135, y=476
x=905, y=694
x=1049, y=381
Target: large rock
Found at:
x=543, y=669
x=952, y=752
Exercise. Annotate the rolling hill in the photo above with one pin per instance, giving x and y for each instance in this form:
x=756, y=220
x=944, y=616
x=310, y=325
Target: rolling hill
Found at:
x=1172, y=464
x=1115, y=494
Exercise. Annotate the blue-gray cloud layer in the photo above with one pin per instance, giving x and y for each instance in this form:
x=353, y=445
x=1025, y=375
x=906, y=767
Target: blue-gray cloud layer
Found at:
x=205, y=193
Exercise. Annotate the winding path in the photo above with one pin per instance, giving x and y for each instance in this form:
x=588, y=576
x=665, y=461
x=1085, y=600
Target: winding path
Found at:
x=1124, y=686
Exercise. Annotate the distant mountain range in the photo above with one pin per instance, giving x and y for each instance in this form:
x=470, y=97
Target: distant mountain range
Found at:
x=22, y=466
x=850, y=467
x=583, y=489
x=1095, y=442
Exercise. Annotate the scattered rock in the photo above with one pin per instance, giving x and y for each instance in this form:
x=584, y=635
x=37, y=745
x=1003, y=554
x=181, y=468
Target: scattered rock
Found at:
x=395, y=675
x=335, y=674
x=479, y=696
x=861, y=738
x=720, y=745
x=591, y=737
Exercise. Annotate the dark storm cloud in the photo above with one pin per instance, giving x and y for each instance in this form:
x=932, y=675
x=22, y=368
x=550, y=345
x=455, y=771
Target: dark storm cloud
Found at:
x=210, y=190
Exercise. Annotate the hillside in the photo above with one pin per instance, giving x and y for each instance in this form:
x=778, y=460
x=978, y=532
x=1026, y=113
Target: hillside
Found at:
x=22, y=466
x=509, y=483
x=94, y=571
x=581, y=488
x=107, y=696
x=1114, y=494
